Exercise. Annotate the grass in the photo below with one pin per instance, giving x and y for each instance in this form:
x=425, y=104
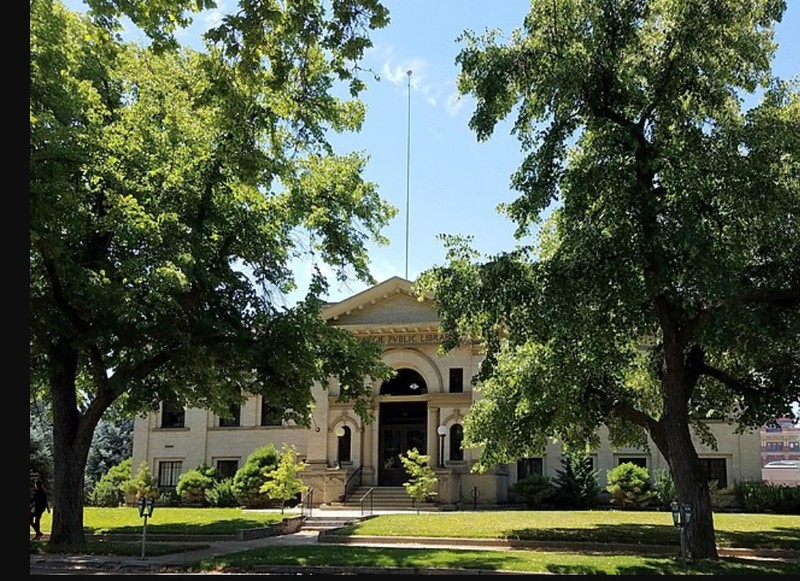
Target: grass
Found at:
x=490, y=560
x=637, y=527
x=761, y=531
x=100, y=524
x=171, y=520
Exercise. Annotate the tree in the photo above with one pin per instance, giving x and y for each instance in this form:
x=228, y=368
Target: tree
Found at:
x=249, y=479
x=111, y=487
x=629, y=486
x=422, y=481
x=576, y=483
x=534, y=489
x=284, y=481
x=41, y=447
x=142, y=484
x=656, y=280
x=170, y=191
x=112, y=443
x=193, y=486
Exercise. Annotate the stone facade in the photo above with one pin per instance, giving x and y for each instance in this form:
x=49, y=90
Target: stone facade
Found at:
x=424, y=408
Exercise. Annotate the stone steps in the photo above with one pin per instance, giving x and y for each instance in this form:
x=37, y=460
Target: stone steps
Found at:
x=327, y=522
x=382, y=498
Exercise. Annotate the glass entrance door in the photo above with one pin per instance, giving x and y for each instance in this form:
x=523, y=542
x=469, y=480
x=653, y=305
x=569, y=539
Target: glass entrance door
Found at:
x=402, y=427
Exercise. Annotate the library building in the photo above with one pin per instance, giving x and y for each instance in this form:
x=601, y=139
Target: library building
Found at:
x=423, y=406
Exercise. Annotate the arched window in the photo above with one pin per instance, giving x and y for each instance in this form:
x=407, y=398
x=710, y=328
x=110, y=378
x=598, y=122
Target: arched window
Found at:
x=456, y=439
x=405, y=382
x=345, y=442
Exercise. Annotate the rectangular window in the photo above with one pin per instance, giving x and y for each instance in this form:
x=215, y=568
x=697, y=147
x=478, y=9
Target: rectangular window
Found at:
x=168, y=473
x=172, y=416
x=529, y=466
x=233, y=419
x=637, y=460
x=270, y=415
x=456, y=380
x=715, y=469
x=227, y=468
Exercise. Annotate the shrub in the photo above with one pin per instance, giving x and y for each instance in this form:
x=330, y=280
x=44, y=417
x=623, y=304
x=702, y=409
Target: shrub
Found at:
x=629, y=486
x=222, y=495
x=192, y=485
x=758, y=496
x=422, y=481
x=143, y=483
x=663, y=488
x=251, y=477
x=168, y=497
x=109, y=490
x=284, y=483
x=576, y=484
x=534, y=489
x=721, y=497
x=789, y=500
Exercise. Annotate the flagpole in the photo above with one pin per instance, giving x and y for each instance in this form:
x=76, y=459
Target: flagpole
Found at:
x=408, y=164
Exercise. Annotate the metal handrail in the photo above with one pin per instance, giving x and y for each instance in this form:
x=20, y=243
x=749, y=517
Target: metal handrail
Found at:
x=306, y=503
x=369, y=495
x=352, y=484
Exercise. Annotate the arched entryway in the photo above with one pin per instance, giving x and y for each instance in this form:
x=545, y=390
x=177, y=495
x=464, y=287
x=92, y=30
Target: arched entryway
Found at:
x=402, y=426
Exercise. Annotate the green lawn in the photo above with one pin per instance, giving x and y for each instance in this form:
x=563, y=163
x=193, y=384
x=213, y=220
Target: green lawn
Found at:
x=639, y=527
x=764, y=531
x=761, y=531
x=170, y=520
x=488, y=560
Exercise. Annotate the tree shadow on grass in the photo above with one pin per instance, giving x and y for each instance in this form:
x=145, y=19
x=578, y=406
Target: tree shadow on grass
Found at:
x=785, y=538
x=636, y=534
x=218, y=527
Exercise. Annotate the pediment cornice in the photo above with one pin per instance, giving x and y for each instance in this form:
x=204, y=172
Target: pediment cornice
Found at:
x=372, y=296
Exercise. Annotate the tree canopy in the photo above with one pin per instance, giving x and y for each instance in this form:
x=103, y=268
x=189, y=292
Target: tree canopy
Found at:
x=656, y=282
x=170, y=190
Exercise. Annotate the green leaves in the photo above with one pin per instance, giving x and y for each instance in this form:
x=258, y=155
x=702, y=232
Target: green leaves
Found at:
x=170, y=190
x=665, y=272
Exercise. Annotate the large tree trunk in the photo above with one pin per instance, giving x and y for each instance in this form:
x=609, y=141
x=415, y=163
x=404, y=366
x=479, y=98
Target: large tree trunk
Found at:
x=698, y=541
x=72, y=437
x=697, y=535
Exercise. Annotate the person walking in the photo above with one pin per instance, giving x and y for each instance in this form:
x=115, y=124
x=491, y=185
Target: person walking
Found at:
x=39, y=504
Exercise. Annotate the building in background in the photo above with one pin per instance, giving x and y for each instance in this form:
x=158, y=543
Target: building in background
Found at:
x=780, y=442
x=422, y=407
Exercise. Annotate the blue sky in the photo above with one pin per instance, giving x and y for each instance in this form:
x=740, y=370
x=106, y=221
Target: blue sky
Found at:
x=453, y=183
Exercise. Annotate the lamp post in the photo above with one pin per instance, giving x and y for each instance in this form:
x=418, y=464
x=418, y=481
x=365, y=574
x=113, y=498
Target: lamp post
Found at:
x=442, y=431
x=339, y=431
x=146, y=506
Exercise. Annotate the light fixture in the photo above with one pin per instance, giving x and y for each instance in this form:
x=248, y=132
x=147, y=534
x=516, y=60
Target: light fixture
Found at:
x=413, y=387
x=339, y=432
x=442, y=431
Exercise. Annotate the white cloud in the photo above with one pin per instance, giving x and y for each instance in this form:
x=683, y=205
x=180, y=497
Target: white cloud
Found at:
x=213, y=18
x=395, y=70
x=454, y=103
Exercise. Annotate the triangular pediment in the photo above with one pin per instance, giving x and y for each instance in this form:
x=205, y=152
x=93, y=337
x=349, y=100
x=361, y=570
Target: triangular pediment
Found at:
x=391, y=303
